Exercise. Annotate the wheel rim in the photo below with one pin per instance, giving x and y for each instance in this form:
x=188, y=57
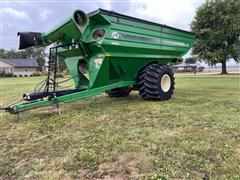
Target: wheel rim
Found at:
x=165, y=83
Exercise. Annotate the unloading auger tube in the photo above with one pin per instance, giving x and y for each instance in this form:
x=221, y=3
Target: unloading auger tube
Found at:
x=106, y=52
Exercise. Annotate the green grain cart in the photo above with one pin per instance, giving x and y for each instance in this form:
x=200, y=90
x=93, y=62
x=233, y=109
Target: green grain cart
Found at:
x=106, y=52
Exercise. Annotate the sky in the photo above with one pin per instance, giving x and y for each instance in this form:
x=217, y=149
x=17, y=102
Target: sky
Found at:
x=42, y=15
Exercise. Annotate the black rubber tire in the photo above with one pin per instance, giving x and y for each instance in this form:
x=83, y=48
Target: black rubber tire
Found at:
x=119, y=92
x=149, y=82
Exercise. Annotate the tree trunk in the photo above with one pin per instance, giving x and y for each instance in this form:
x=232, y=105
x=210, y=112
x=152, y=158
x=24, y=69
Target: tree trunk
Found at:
x=224, y=67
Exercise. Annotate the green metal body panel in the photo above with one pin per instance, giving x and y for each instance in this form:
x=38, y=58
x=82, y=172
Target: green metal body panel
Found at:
x=68, y=98
x=115, y=59
x=120, y=57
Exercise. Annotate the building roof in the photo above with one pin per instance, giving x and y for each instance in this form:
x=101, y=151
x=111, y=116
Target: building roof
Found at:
x=186, y=65
x=21, y=62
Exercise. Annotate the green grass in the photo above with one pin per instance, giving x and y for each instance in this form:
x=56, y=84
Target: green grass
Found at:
x=194, y=135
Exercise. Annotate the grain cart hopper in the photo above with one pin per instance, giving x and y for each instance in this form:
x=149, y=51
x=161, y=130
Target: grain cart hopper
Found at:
x=106, y=52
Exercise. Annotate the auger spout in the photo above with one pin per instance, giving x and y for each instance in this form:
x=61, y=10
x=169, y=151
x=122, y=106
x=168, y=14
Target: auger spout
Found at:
x=70, y=30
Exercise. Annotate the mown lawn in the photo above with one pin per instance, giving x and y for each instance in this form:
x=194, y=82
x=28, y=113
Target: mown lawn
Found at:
x=194, y=135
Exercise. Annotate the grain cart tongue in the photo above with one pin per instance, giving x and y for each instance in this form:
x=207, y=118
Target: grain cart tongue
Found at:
x=106, y=52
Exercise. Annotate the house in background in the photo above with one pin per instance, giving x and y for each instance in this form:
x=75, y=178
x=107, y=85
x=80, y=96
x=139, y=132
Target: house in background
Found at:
x=19, y=67
x=184, y=67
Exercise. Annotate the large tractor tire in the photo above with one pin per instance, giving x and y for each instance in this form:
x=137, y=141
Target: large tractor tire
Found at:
x=119, y=92
x=156, y=82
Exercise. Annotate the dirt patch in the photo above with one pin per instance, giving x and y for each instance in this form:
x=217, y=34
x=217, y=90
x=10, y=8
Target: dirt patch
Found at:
x=126, y=166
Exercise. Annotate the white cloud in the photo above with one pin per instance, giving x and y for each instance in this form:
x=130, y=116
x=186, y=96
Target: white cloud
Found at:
x=106, y=5
x=44, y=14
x=171, y=12
x=15, y=14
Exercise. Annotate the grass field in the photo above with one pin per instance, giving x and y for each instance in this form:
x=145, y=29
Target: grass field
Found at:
x=194, y=135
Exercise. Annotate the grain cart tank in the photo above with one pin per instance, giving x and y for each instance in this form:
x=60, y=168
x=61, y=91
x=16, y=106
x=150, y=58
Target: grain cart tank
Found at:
x=106, y=52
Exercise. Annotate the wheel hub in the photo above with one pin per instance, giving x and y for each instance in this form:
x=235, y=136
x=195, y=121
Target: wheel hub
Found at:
x=165, y=82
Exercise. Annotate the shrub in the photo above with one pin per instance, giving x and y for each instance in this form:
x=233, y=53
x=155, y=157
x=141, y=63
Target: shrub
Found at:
x=60, y=75
x=3, y=74
x=44, y=73
x=36, y=74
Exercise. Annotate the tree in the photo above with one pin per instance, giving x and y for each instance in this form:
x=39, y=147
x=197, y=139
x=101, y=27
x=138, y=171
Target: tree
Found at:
x=7, y=54
x=190, y=60
x=61, y=64
x=217, y=28
x=34, y=53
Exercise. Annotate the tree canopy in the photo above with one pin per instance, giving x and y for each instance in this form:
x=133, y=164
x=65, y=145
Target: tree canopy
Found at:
x=217, y=28
x=29, y=53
